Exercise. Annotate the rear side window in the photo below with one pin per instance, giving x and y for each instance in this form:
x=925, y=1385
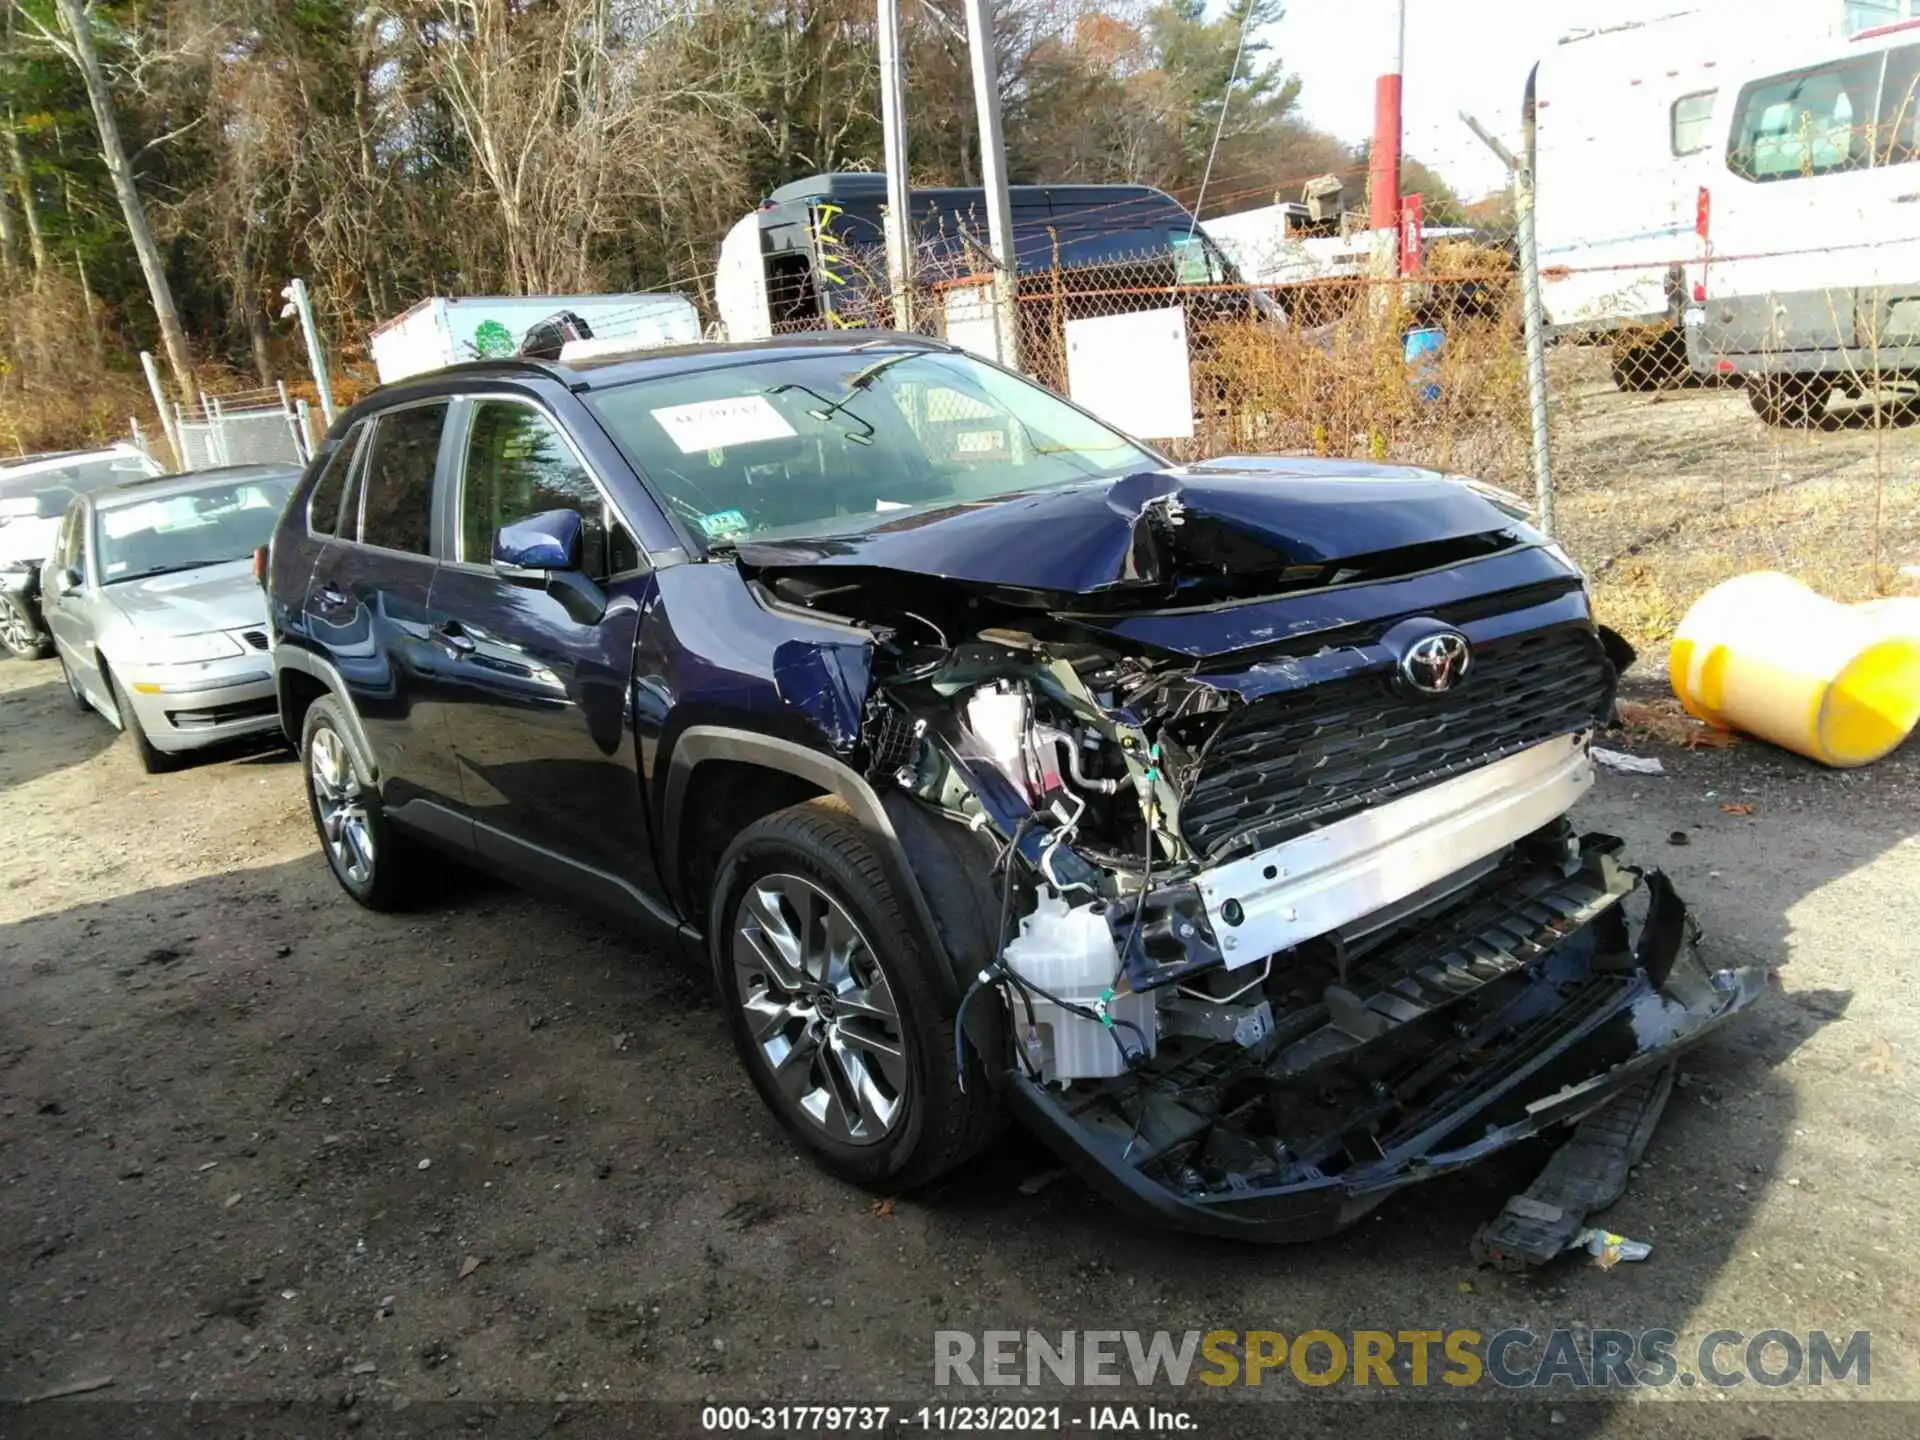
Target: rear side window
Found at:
x=396, y=483
x=1900, y=107
x=1691, y=121
x=518, y=465
x=1807, y=123
x=330, y=491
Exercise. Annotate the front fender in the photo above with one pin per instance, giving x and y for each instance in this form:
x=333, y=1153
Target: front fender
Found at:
x=700, y=743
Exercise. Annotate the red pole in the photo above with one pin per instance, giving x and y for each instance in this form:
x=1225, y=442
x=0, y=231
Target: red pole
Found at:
x=1384, y=179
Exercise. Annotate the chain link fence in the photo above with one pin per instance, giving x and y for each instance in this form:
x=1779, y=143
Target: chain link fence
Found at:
x=1321, y=350
x=247, y=428
x=1713, y=403
x=1736, y=385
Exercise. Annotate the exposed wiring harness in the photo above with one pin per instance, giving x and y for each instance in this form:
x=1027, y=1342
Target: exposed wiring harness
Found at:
x=996, y=969
x=1146, y=863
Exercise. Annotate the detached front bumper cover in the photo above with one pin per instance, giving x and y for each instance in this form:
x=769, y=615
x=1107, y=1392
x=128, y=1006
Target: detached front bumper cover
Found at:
x=1590, y=1020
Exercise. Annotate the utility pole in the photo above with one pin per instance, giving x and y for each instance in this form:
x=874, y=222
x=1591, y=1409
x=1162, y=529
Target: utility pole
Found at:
x=993, y=176
x=893, y=134
x=1383, y=180
x=299, y=304
x=160, y=404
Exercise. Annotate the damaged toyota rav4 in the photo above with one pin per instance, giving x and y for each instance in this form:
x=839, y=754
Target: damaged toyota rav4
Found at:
x=1212, y=819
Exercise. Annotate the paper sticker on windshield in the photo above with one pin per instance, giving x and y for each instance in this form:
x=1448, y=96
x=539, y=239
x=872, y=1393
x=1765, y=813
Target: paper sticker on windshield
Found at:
x=716, y=424
x=723, y=524
x=979, y=442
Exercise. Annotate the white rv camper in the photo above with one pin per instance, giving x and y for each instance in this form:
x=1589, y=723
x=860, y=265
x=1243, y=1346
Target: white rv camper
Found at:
x=1623, y=126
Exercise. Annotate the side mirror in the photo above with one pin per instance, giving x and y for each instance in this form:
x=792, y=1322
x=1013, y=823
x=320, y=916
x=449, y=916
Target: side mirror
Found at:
x=550, y=540
x=542, y=552
x=70, y=579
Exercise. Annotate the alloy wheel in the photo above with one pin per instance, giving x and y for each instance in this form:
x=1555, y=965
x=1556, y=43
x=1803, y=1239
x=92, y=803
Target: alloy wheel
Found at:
x=341, y=806
x=819, y=1009
x=16, y=632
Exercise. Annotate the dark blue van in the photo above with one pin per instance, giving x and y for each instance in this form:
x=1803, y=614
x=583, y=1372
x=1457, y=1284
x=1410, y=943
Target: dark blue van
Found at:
x=814, y=255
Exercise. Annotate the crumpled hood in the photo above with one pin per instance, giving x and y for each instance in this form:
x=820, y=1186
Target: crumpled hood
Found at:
x=188, y=602
x=1245, y=514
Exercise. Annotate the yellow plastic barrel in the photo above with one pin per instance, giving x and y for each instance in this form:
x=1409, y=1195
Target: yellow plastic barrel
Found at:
x=1837, y=683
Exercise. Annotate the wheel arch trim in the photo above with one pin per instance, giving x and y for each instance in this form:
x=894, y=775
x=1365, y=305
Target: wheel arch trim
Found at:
x=288, y=658
x=701, y=743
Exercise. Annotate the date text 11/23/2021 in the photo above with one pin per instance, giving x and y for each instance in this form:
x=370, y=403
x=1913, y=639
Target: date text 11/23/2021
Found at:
x=946, y=1419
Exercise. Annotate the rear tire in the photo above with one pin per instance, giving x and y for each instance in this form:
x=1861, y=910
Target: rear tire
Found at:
x=834, y=1003
x=152, y=760
x=377, y=866
x=1795, y=402
x=1658, y=365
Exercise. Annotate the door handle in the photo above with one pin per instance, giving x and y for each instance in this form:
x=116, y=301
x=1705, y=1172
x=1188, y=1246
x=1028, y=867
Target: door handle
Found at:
x=331, y=597
x=451, y=638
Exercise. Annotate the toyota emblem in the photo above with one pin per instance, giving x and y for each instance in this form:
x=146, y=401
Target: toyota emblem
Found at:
x=1435, y=663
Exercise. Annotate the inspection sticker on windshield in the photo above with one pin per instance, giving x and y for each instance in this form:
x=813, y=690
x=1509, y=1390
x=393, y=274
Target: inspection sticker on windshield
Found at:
x=716, y=424
x=723, y=524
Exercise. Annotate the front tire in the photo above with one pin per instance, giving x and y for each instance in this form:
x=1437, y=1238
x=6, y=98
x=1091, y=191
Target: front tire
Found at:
x=833, y=1002
x=379, y=868
x=152, y=760
x=19, y=636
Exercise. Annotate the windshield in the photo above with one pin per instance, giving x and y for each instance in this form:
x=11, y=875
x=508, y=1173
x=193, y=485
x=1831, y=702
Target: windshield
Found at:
x=184, y=531
x=45, y=491
x=811, y=444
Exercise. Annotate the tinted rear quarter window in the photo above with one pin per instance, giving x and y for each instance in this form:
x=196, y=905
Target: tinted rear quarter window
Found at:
x=396, y=482
x=330, y=490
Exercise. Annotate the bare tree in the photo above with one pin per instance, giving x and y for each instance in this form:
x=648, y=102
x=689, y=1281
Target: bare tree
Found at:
x=581, y=116
x=73, y=39
x=9, y=246
x=29, y=207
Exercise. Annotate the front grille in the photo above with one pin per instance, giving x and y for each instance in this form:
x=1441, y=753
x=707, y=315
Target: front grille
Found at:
x=1289, y=762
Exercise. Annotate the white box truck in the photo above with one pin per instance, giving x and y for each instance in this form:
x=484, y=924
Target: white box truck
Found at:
x=447, y=330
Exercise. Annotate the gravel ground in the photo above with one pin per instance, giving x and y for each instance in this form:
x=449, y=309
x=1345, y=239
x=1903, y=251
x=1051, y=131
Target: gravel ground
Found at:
x=257, y=1144
x=1663, y=494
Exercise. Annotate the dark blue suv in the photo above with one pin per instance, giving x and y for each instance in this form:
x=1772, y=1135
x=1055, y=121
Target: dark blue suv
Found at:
x=1209, y=818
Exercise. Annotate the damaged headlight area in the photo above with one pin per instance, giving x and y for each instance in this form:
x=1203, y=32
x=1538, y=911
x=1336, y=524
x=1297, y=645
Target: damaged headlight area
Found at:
x=1262, y=961
x=1275, y=907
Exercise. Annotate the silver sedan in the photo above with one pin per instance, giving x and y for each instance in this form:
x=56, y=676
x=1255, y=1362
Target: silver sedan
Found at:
x=156, y=615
